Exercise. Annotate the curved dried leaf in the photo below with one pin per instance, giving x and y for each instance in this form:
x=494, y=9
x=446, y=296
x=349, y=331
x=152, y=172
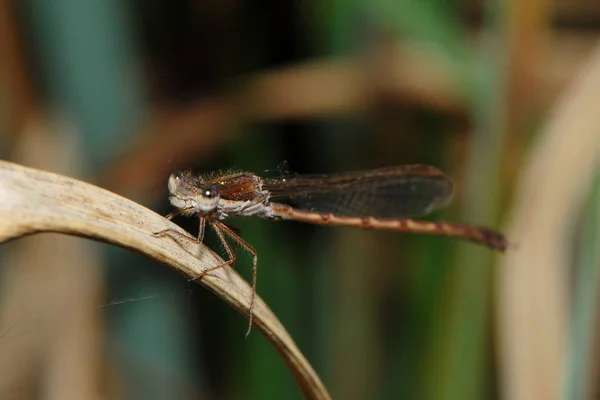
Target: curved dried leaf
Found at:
x=34, y=201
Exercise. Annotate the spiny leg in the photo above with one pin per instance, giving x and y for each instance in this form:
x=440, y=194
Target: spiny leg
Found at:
x=174, y=213
x=232, y=234
x=235, y=229
x=174, y=232
x=237, y=244
x=164, y=232
x=232, y=256
x=201, y=229
x=170, y=216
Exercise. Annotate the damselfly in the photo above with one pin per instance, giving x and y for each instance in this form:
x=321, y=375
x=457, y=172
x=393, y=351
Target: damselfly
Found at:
x=384, y=198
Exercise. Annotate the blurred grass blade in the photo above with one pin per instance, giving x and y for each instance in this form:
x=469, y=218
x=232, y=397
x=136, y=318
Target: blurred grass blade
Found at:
x=431, y=24
x=533, y=294
x=585, y=303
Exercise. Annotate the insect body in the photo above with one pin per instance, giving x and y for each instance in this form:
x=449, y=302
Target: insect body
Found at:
x=384, y=198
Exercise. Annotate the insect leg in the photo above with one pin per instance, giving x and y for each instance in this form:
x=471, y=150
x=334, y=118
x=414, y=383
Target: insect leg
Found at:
x=232, y=234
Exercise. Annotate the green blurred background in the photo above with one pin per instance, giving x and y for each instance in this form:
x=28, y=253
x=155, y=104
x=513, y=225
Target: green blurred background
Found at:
x=123, y=93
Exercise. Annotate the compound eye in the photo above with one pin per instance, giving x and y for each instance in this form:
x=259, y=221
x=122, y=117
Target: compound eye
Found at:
x=175, y=181
x=178, y=175
x=210, y=193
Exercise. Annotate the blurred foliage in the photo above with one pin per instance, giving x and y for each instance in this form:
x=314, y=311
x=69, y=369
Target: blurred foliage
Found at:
x=380, y=315
x=585, y=303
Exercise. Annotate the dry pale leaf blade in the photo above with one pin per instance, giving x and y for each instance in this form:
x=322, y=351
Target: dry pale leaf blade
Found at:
x=534, y=281
x=37, y=201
